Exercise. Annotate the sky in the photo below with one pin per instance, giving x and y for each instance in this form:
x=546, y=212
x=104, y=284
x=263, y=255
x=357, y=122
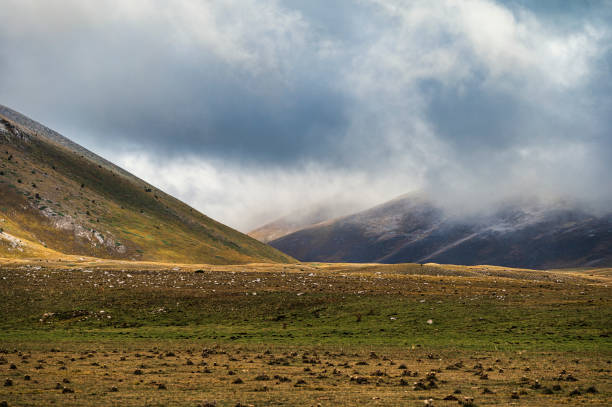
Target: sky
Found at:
x=252, y=109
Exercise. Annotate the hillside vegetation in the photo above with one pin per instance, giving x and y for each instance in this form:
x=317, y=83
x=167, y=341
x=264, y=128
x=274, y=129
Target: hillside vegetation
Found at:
x=58, y=199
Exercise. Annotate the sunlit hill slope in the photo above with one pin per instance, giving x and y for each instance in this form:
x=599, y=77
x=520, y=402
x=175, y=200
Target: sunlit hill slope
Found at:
x=58, y=198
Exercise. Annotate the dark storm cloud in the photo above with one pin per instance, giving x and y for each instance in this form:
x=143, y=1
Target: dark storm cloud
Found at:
x=129, y=84
x=220, y=117
x=377, y=96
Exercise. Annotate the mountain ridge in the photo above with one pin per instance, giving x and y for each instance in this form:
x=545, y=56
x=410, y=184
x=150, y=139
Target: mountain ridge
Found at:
x=412, y=229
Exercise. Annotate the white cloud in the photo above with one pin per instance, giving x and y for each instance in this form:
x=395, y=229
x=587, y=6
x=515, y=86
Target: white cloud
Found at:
x=463, y=45
x=247, y=197
x=257, y=35
x=450, y=40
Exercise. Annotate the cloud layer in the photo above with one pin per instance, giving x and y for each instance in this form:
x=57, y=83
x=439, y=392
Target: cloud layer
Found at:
x=248, y=109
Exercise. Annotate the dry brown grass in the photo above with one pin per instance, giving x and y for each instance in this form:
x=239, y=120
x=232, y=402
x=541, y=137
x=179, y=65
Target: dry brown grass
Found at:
x=271, y=375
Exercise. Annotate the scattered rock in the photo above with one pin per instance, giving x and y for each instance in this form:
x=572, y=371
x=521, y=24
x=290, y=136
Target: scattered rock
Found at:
x=359, y=380
x=114, y=389
x=426, y=384
x=161, y=386
x=467, y=401
x=547, y=390
x=8, y=382
x=67, y=390
x=592, y=390
x=456, y=366
x=238, y=381
x=575, y=392
x=431, y=376
x=515, y=395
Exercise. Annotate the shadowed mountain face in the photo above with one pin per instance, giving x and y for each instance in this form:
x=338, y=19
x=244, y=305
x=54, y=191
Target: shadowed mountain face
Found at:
x=57, y=197
x=410, y=229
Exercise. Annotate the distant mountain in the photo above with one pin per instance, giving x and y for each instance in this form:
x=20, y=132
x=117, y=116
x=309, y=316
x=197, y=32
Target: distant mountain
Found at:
x=57, y=197
x=300, y=219
x=412, y=229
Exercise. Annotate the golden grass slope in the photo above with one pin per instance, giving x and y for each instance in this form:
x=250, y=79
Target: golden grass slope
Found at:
x=58, y=199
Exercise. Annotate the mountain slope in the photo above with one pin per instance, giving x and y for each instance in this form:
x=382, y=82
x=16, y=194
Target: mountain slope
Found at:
x=411, y=229
x=57, y=198
x=300, y=219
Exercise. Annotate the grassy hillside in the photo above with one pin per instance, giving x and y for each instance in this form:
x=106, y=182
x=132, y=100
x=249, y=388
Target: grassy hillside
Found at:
x=60, y=199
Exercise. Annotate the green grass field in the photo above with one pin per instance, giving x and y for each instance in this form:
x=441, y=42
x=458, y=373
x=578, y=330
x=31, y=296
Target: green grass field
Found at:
x=344, y=330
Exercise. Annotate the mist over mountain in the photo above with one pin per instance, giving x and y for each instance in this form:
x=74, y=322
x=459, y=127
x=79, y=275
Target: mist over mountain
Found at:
x=413, y=229
x=305, y=217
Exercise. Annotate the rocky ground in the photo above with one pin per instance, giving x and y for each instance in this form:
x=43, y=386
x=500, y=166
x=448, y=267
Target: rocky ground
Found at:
x=118, y=333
